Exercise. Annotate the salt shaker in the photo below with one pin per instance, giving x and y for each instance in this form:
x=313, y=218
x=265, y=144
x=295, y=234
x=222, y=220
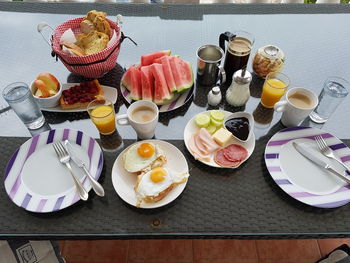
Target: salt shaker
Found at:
x=214, y=96
x=238, y=93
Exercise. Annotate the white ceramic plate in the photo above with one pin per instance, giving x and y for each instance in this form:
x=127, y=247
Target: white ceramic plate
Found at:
x=35, y=179
x=191, y=128
x=108, y=92
x=299, y=177
x=124, y=182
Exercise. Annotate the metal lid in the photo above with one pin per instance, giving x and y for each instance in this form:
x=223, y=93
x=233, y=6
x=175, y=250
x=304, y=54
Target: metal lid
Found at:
x=242, y=76
x=273, y=52
x=216, y=90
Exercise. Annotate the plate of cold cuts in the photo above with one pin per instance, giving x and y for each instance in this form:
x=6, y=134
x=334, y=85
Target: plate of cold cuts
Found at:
x=207, y=142
x=165, y=80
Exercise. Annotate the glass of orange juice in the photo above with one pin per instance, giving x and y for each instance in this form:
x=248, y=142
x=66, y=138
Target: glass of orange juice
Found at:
x=102, y=114
x=275, y=85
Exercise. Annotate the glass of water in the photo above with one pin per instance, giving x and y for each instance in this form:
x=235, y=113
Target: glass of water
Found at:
x=334, y=91
x=21, y=100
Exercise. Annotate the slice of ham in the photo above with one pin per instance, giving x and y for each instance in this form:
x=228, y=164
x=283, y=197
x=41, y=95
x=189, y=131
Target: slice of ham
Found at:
x=197, y=154
x=235, y=153
x=208, y=142
x=221, y=160
x=199, y=143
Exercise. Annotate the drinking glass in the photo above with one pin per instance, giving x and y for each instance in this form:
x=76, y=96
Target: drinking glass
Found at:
x=334, y=91
x=102, y=114
x=275, y=85
x=21, y=100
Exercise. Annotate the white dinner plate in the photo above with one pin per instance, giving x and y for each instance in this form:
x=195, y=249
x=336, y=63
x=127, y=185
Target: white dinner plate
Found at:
x=191, y=128
x=108, y=92
x=35, y=179
x=124, y=181
x=299, y=177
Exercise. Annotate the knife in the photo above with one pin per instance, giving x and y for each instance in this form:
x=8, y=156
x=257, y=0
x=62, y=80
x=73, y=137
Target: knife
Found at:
x=316, y=160
x=95, y=185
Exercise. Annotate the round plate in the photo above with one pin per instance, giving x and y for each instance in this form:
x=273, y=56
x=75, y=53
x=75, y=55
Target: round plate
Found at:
x=191, y=128
x=108, y=92
x=124, y=182
x=35, y=179
x=178, y=100
x=299, y=177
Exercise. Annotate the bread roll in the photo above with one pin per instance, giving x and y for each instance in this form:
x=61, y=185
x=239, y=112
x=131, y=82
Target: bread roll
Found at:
x=94, y=42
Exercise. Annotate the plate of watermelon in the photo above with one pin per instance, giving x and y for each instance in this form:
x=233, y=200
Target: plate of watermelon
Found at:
x=164, y=79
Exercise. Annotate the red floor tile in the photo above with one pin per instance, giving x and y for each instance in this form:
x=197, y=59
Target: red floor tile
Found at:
x=222, y=251
x=288, y=251
x=160, y=251
x=101, y=251
x=327, y=245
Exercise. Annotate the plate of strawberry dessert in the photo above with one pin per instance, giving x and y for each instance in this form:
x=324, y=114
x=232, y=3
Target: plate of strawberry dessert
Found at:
x=209, y=138
x=164, y=79
x=76, y=96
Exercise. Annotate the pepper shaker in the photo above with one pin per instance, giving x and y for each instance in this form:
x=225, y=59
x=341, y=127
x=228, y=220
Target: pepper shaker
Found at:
x=214, y=96
x=238, y=93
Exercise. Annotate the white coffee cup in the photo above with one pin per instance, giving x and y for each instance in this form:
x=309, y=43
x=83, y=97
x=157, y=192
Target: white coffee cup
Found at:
x=143, y=116
x=297, y=106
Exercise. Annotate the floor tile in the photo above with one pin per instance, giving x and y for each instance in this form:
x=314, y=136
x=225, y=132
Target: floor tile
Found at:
x=160, y=251
x=222, y=251
x=288, y=251
x=327, y=245
x=99, y=251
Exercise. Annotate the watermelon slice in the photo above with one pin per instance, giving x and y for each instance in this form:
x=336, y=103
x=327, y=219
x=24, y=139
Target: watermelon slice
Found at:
x=182, y=72
x=126, y=80
x=147, y=81
x=161, y=90
x=136, y=88
x=149, y=58
x=165, y=60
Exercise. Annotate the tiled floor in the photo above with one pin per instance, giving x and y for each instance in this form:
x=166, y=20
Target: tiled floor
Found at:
x=198, y=251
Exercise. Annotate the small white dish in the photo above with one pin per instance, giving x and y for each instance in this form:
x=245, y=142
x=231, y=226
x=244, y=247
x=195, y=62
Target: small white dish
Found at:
x=246, y=115
x=124, y=182
x=49, y=102
x=191, y=128
x=108, y=92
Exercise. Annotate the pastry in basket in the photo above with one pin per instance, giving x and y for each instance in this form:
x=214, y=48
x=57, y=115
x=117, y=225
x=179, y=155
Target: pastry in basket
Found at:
x=154, y=185
x=81, y=95
x=94, y=42
x=75, y=49
x=143, y=156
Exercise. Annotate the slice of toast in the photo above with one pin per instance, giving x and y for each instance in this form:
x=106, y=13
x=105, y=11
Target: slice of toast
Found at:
x=94, y=42
x=81, y=95
x=75, y=49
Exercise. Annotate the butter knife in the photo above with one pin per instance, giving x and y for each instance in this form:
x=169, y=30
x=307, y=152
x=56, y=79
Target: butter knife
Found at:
x=95, y=185
x=316, y=160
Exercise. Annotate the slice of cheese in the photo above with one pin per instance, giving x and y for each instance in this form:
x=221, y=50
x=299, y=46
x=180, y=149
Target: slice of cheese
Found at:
x=222, y=136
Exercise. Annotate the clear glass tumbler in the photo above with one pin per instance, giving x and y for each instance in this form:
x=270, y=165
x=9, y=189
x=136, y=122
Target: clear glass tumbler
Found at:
x=334, y=91
x=21, y=100
x=102, y=114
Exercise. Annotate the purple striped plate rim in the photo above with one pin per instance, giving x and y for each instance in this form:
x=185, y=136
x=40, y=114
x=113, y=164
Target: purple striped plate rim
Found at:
x=19, y=193
x=272, y=154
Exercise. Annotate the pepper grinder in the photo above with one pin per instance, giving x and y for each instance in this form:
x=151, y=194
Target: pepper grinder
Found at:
x=238, y=93
x=214, y=96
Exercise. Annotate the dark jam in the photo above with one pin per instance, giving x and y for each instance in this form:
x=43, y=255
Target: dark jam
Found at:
x=239, y=127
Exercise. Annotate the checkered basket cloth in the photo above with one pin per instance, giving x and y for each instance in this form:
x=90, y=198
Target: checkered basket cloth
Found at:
x=91, y=66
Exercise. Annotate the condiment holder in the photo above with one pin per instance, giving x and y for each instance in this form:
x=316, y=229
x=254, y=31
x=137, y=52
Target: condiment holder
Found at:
x=241, y=114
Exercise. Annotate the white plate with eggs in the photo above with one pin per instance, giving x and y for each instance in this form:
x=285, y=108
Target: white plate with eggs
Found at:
x=124, y=182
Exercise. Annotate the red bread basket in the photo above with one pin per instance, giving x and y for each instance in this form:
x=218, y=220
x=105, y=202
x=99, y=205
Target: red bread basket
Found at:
x=91, y=66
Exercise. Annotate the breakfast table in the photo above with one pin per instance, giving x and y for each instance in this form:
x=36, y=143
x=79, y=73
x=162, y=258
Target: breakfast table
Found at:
x=216, y=203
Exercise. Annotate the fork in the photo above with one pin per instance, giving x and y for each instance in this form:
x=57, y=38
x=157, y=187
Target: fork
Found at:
x=64, y=158
x=326, y=151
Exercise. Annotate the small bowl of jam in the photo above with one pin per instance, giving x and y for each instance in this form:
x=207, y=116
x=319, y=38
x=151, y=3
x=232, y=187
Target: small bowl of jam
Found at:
x=240, y=124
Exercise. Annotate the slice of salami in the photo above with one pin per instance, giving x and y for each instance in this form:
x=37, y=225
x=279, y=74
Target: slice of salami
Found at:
x=221, y=160
x=235, y=153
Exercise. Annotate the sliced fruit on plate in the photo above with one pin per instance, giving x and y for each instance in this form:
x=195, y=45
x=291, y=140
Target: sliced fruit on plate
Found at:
x=147, y=82
x=165, y=61
x=149, y=58
x=161, y=90
x=182, y=72
x=136, y=89
x=202, y=120
x=126, y=80
x=217, y=115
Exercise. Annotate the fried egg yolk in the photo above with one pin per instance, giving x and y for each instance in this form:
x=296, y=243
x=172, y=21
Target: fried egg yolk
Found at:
x=158, y=174
x=145, y=150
